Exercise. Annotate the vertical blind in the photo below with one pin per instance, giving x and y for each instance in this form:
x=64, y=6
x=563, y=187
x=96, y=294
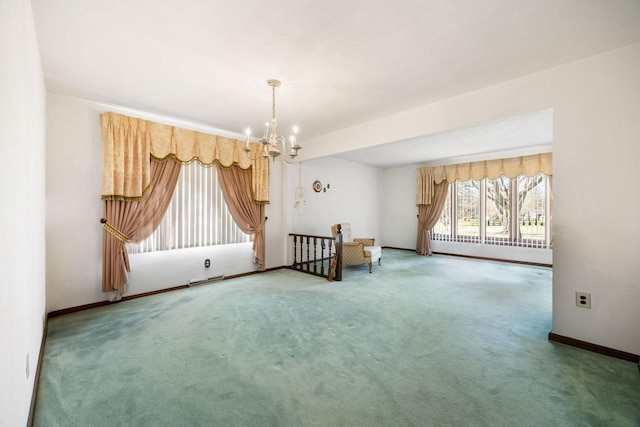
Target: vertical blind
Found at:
x=197, y=215
x=467, y=210
x=501, y=211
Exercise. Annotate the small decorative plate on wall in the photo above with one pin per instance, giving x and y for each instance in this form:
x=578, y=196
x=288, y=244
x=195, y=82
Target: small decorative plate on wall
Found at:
x=317, y=186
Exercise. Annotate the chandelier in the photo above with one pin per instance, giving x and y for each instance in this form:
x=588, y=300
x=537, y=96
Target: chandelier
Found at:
x=273, y=144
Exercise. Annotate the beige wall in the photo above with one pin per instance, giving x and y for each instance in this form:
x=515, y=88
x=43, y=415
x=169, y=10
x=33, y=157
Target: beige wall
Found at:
x=22, y=209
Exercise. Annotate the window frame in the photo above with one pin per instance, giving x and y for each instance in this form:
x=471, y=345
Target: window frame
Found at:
x=513, y=225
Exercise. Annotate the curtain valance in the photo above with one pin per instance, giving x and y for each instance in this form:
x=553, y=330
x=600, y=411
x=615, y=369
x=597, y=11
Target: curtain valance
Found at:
x=129, y=142
x=511, y=168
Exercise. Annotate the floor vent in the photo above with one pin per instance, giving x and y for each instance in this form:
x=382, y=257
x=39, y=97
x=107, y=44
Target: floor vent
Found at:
x=215, y=279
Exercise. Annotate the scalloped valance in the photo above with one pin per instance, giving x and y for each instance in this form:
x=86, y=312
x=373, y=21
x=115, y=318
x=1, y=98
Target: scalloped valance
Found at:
x=511, y=168
x=129, y=142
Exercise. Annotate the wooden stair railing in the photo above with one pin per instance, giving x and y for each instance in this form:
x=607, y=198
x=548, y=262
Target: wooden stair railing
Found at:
x=318, y=255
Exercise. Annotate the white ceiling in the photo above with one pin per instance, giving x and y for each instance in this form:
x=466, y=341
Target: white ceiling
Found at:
x=340, y=62
x=517, y=136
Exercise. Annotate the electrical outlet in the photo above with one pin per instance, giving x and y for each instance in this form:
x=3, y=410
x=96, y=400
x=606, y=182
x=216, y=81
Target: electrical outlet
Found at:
x=207, y=263
x=583, y=299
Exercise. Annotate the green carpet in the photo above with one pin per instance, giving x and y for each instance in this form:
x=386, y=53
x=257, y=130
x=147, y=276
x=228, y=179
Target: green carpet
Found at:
x=423, y=341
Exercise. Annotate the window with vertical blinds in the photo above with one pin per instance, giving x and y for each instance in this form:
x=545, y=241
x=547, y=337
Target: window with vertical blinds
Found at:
x=197, y=215
x=501, y=211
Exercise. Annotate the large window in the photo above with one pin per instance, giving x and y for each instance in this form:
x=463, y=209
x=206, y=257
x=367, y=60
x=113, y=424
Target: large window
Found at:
x=498, y=211
x=197, y=215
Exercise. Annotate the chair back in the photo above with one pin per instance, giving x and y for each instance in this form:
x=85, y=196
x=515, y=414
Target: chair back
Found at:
x=345, y=230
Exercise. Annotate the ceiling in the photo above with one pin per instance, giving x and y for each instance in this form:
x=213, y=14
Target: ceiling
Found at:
x=341, y=63
x=527, y=134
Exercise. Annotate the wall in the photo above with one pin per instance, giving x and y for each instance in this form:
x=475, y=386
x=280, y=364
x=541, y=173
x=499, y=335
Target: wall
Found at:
x=399, y=212
x=22, y=215
x=354, y=196
x=596, y=128
x=148, y=272
x=74, y=208
x=399, y=215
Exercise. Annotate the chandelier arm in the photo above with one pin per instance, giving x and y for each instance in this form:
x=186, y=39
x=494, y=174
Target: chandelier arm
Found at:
x=250, y=158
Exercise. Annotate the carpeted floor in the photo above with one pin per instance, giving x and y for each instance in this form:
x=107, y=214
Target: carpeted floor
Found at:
x=423, y=341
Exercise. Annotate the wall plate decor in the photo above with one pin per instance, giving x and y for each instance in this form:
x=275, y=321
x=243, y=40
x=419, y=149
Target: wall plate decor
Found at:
x=317, y=186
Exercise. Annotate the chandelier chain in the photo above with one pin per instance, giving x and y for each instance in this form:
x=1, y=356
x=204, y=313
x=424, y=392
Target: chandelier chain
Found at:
x=273, y=102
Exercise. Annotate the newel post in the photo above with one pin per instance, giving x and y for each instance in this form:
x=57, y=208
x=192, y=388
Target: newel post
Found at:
x=338, y=275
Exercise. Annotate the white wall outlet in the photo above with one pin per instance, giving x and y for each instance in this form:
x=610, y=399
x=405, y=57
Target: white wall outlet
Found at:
x=583, y=299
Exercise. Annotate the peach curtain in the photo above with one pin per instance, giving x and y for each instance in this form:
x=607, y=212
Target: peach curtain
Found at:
x=247, y=214
x=424, y=189
x=134, y=221
x=128, y=143
x=428, y=215
x=510, y=167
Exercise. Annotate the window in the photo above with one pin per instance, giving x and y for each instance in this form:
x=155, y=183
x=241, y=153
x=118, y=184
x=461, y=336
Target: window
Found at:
x=197, y=215
x=467, y=210
x=442, y=229
x=499, y=211
x=533, y=211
